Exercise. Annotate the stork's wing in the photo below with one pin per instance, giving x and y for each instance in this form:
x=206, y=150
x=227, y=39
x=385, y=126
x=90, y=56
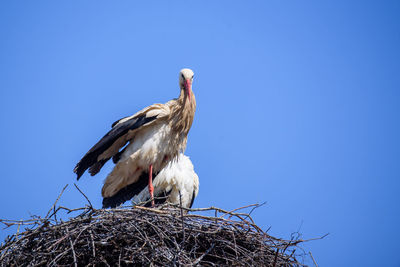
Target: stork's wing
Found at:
x=138, y=191
x=126, y=193
x=122, y=131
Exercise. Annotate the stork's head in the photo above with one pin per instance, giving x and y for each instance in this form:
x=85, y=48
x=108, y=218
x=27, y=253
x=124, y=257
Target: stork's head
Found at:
x=185, y=81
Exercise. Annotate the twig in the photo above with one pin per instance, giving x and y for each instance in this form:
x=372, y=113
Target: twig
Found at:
x=58, y=198
x=276, y=257
x=197, y=261
x=316, y=265
x=90, y=203
x=183, y=224
x=256, y=207
x=16, y=235
x=244, y=207
x=311, y=239
x=72, y=248
x=119, y=258
x=93, y=246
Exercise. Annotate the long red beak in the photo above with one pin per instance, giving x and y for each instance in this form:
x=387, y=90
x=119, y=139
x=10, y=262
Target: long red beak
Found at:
x=188, y=86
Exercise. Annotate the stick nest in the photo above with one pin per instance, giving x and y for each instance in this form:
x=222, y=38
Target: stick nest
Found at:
x=137, y=236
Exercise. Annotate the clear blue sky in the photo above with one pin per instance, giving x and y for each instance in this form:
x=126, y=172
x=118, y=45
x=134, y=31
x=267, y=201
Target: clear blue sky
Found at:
x=298, y=106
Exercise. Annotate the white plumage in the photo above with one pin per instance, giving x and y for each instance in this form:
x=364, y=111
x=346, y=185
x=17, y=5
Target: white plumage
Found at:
x=178, y=182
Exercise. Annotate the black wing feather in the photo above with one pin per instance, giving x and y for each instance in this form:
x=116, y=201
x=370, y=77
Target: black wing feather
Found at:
x=192, y=201
x=107, y=141
x=95, y=168
x=115, y=122
x=117, y=156
x=126, y=193
x=132, y=190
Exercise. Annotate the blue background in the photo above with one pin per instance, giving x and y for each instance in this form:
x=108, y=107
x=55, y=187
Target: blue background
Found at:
x=298, y=106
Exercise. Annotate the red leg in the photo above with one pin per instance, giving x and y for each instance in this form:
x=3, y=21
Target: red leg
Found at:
x=151, y=188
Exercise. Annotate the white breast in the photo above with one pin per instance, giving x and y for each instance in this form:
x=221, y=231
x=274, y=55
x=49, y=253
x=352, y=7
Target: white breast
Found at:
x=150, y=146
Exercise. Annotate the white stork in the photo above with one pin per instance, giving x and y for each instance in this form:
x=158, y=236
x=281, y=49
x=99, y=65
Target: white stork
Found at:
x=176, y=183
x=156, y=135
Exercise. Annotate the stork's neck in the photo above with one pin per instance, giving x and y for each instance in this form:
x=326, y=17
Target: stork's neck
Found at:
x=184, y=98
x=183, y=112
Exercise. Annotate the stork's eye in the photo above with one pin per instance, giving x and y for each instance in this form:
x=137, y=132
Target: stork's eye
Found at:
x=192, y=77
x=183, y=76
